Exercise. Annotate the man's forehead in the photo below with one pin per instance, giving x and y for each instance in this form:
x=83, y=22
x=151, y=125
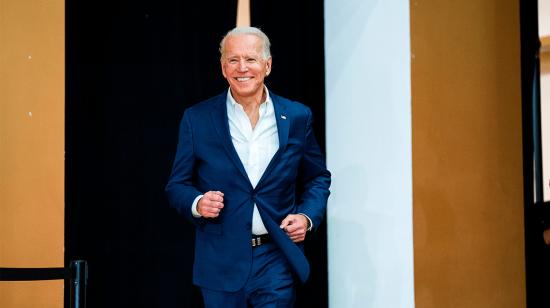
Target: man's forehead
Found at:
x=247, y=40
x=239, y=44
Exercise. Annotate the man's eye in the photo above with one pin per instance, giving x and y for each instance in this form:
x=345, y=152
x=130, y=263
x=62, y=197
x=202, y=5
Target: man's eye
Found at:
x=232, y=61
x=250, y=60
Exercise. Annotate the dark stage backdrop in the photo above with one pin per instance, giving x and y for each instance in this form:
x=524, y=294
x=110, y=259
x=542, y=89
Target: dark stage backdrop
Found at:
x=132, y=69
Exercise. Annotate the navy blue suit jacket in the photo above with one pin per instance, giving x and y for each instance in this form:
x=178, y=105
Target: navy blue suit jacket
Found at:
x=295, y=181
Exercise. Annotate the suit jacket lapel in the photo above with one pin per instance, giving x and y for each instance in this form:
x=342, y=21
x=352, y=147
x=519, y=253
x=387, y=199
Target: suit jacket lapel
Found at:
x=283, y=121
x=283, y=124
x=221, y=124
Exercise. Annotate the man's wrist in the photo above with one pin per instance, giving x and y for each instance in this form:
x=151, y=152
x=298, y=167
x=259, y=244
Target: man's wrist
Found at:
x=309, y=222
x=194, y=209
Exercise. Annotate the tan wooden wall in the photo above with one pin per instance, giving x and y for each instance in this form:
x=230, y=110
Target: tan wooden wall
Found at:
x=31, y=147
x=467, y=154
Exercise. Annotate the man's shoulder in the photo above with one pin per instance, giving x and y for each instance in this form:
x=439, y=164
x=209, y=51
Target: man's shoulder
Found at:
x=291, y=105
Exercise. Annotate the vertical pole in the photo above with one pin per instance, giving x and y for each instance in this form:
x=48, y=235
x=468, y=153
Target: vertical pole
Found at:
x=79, y=281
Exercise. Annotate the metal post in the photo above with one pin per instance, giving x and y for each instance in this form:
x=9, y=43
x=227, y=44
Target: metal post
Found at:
x=79, y=281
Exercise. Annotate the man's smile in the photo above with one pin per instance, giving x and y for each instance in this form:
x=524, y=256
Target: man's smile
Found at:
x=243, y=79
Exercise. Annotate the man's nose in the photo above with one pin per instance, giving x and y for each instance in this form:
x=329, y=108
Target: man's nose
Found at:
x=242, y=66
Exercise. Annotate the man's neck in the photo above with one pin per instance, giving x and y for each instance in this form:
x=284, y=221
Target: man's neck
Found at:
x=253, y=101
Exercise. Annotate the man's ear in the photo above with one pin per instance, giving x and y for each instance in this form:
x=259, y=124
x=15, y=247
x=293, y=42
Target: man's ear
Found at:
x=268, y=66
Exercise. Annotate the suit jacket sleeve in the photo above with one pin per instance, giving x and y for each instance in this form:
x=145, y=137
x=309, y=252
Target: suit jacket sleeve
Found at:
x=180, y=189
x=314, y=178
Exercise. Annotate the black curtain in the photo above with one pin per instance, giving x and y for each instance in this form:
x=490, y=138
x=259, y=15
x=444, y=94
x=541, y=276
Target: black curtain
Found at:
x=132, y=67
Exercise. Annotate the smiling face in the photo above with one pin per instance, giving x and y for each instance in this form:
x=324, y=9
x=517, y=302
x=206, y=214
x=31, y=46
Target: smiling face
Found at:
x=244, y=67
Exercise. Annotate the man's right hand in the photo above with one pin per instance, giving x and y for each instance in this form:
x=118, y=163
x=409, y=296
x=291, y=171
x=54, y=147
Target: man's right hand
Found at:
x=211, y=204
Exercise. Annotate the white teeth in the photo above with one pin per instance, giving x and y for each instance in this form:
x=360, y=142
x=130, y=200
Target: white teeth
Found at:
x=243, y=78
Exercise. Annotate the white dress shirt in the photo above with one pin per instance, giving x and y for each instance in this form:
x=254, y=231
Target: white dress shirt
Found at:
x=255, y=147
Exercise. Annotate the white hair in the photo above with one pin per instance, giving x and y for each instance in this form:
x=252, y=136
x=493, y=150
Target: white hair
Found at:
x=266, y=45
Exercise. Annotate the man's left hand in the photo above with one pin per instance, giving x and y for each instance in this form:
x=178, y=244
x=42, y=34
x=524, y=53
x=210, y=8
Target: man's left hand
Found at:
x=295, y=225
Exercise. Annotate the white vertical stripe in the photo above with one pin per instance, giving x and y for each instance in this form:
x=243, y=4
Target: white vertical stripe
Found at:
x=243, y=13
x=368, y=121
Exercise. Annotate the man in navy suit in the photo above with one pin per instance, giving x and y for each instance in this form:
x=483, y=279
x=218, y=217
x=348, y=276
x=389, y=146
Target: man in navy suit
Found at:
x=249, y=174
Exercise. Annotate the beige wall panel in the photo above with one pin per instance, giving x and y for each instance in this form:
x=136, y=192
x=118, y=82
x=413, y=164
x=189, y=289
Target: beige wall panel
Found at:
x=545, y=64
x=467, y=154
x=31, y=146
x=31, y=294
